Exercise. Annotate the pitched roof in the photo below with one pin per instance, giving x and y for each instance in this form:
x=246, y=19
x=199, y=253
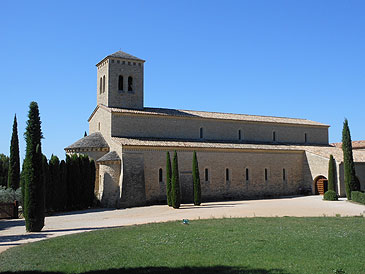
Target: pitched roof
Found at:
x=110, y=156
x=123, y=55
x=212, y=115
x=320, y=150
x=94, y=140
x=355, y=144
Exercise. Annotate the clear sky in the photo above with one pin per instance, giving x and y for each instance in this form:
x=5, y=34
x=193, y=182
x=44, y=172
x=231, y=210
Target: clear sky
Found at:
x=302, y=59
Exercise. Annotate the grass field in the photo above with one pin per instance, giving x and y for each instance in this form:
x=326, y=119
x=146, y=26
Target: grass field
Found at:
x=249, y=245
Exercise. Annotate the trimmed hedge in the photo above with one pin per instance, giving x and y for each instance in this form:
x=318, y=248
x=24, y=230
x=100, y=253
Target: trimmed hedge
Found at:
x=358, y=197
x=330, y=195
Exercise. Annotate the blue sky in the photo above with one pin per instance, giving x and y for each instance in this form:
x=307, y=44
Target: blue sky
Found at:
x=302, y=59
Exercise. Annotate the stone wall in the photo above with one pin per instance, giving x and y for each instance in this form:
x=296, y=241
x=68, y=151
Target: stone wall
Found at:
x=109, y=190
x=189, y=128
x=216, y=187
x=101, y=122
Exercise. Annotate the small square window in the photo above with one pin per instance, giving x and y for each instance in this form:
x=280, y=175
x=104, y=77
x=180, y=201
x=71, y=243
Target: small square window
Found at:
x=123, y=62
x=134, y=63
x=129, y=63
x=118, y=61
x=112, y=61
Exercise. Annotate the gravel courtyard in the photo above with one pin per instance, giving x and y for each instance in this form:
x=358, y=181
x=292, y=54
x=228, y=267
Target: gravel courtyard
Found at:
x=12, y=232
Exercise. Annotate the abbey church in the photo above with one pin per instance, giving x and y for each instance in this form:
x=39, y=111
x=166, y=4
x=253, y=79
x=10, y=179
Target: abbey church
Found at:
x=240, y=156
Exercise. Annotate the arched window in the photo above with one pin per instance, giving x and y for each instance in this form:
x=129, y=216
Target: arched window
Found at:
x=227, y=174
x=201, y=133
x=239, y=135
x=103, y=83
x=206, y=177
x=305, y=138
x=247, y=175
x=130, y=83
x=120, y=82
x=160, y=175
x=274, y=136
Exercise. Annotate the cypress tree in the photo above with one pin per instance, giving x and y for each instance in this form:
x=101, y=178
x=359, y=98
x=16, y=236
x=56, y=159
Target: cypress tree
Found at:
x=14, y=161
x=351, y=183
x=92, y=182
x=175, y=184
x=62, y=190
x=85, y=134
x=48, y=184
x=196, y=180
x=55, y=178
x=331, y=174
x=34, y=187
x=4, y=169
x=168, y=179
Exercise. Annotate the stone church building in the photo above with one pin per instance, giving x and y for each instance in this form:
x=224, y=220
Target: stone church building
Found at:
x=240, y=156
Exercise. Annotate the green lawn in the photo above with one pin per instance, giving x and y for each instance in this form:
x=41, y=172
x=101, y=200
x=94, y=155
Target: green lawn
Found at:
x=248, y=245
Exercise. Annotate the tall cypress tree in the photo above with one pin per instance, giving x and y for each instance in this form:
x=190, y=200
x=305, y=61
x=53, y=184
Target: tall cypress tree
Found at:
x=168, y=179
x=331, y=174
x=14, y=161
x=34, y=184
x=351, y=183
x=48, y=185
x=62, y=190
x=92, y=182
x=55, y=178
x=196, y=180
x=175, y=184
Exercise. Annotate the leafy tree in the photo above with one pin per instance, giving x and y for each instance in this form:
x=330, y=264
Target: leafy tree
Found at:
x=175, y=184
x=34, y=184
x=14, y=161
x=351, y=183
x=196, y=180
x=168, y=179
x=331, y=174
x=4, y=169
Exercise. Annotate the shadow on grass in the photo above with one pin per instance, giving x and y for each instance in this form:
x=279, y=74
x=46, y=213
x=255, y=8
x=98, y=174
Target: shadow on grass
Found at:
x=176, y=270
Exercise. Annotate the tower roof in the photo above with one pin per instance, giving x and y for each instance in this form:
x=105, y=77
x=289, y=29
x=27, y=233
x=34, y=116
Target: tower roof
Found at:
x=123, y=55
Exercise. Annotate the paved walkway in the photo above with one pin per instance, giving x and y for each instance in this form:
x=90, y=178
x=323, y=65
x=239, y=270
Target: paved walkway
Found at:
x=12, y=232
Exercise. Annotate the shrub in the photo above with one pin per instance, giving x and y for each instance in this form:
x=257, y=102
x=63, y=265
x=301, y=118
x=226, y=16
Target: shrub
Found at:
x=358, y=197
x=330, y=195
x=9, y=195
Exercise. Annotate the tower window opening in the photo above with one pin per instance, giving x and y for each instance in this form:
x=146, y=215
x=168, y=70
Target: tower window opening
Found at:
x=130, y=83
x=103, y=83
x=201, y=133
x=206, y=173
x=160, y=175
x=305, y=138
x=227, y=174
x=274, y=136
x=239, y=135
x=247, y=175
x=120, y=82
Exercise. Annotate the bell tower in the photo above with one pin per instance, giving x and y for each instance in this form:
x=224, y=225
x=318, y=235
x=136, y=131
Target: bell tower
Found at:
x=120, y=81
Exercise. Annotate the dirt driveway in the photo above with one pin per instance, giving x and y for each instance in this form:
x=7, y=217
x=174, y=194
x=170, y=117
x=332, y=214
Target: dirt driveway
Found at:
x=12, y=232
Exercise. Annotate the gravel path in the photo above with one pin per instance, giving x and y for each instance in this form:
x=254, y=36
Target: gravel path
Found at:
x=12, y=232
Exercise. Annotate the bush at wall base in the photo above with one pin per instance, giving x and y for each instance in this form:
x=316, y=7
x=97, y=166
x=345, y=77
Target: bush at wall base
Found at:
x=358, y=197
x=330, y=195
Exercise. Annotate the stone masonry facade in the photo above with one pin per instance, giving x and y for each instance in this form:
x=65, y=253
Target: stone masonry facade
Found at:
x=240, y=156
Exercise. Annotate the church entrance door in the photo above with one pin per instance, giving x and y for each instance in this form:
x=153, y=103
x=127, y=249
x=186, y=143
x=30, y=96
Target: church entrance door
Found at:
x=186, y=186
